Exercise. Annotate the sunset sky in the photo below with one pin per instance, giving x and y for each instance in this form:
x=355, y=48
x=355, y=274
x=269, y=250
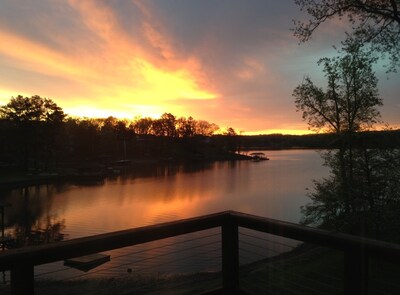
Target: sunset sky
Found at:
x=230, y=62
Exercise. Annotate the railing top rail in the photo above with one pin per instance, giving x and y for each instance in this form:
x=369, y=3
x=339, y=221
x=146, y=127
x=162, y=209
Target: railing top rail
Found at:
x=335, y=240
x=42, y=254
x=82, y=246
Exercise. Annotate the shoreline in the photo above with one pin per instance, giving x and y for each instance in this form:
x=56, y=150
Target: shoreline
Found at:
x=18, y=179
x=30, y=180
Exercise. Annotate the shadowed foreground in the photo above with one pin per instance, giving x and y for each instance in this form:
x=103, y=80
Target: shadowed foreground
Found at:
x=315, y=261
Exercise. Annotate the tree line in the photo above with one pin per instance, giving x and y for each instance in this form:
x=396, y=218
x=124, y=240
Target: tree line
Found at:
x=370, y=139
x=36, y=134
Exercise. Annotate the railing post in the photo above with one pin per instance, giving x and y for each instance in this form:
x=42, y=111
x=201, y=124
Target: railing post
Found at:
x=355, y=272
x=230, y=256
x=22, y=278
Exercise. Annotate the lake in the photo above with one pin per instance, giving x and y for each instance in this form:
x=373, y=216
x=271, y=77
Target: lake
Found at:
x=274, y=189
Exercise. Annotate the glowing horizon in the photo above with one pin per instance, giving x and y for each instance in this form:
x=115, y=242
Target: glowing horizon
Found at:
x=145, y=58
x=156, y=112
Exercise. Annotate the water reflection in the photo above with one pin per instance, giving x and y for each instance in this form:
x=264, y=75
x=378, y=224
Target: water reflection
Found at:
x=29, y=220
x=152, y=194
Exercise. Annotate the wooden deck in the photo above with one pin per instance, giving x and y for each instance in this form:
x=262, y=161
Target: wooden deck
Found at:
x=356, y=251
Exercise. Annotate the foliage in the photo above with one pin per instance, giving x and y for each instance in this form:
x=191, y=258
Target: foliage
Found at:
x=350, y=100
x=142, y=126
x=205, y=128
x=362, y=194
x=374, y=22
x=371, y=180
x=186, y=127
x=169, y=125
x=165, y=126
x=35, y=108
x=36, y=125
x=230, y=132
x=36, y=135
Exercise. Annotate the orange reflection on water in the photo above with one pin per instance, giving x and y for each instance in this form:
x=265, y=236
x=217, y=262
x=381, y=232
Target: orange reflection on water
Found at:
x=274, y=188
x=119, y=206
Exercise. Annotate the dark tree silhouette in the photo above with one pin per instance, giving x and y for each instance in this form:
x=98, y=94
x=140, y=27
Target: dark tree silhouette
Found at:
x=142, y=126
x=374, y=193
x=32, y=109
x=40, y=139
x=230, y=132
x=38, y=124
x=361, y=195
x=186, y=127
x=205, y=128
x=350, y=102
x=374, y=22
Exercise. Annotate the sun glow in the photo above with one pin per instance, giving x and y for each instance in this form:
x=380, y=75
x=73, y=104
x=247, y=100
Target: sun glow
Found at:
x=173, y=85
x=129, y=112
x=280, y=131
x=151, y=94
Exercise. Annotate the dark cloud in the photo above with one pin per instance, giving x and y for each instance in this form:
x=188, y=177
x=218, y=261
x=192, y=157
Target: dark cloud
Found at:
x=243, y=51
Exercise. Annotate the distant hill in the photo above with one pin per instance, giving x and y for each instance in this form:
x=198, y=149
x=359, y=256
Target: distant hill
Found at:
x=371, y=139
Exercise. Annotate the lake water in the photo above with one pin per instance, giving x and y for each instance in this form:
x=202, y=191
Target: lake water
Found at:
x=275, y=189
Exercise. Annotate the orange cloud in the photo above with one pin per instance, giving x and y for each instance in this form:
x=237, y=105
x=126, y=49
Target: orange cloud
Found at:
x=158, y=41
x=122, y=77
x=38, y=58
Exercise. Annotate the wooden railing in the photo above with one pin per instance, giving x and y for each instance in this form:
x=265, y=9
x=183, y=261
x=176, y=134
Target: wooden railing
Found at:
x=356, y=250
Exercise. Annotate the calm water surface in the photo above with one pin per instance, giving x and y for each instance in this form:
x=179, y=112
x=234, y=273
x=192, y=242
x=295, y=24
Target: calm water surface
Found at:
x=275, y=189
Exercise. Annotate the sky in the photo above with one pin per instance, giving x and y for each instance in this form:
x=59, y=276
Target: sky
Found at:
x=230, y=62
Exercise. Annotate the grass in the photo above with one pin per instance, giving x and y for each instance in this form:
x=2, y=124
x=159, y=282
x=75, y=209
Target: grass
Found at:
x=314, y=270
x=305, y=270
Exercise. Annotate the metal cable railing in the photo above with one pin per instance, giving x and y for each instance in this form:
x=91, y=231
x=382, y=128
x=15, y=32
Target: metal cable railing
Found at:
x=242, y=252
x=195, y=253
x=163, y=253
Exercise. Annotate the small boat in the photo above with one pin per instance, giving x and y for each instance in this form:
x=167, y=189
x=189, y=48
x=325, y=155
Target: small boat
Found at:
x=258, y=156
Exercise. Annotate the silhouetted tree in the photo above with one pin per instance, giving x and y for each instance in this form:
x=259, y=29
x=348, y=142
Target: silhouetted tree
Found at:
x=164, y=126
x=230, y=132
x=109, y=136
x=374, y=190
x=38, y=122
x=32, y=109
x=231, y=139
x=205, y=128
x=186, y=127
x=168, y=124
x=361, y=195
x=142, y=126
x=374, y=22
x=34, y=131
x=83, y=138
x=350, y=101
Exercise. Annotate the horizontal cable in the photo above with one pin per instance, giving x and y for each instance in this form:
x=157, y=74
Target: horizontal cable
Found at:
x=261, y=248
x=184, y=258
x=171, y=244
x=155, y=288
x=147, y=250
x=267, y=240
x=141, y=260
